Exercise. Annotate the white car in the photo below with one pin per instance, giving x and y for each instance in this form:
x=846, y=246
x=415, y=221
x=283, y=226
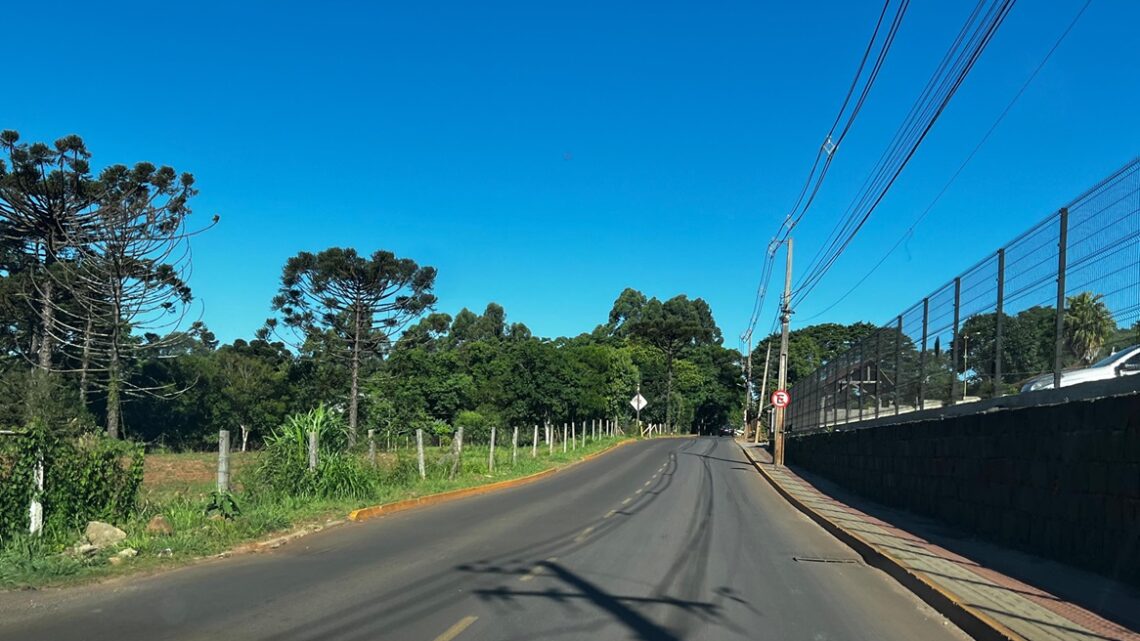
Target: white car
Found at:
x=1123, y=362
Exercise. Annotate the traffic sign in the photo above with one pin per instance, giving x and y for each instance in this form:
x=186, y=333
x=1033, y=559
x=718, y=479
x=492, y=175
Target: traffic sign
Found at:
x=781, y=398
x=638, y=402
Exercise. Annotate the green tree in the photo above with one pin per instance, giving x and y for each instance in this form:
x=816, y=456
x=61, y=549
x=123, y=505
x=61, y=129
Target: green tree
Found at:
x=363, y=301
x=1088, y=324
x=252, y=386
x=671, y=327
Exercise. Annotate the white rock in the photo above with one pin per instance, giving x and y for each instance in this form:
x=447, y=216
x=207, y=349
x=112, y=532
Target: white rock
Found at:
x=103, y=535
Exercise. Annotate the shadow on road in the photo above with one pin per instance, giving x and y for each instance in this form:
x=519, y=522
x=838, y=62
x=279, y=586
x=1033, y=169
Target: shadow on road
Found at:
x=618, y=607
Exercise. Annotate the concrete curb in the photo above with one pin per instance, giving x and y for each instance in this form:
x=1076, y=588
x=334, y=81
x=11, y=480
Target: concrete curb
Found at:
x=366, y=513
x=972, y=621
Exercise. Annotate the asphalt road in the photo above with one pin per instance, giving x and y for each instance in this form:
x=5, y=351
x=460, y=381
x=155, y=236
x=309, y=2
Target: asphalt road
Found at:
x=658, y=540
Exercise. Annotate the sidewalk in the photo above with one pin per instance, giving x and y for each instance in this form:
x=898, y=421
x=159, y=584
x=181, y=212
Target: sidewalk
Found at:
x=969, y=581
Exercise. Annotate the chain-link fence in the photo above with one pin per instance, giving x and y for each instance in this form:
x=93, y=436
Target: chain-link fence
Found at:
x=1058, y=305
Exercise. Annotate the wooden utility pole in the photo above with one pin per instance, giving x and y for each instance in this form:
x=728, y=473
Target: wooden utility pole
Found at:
x=785, y=319
x=763, y=391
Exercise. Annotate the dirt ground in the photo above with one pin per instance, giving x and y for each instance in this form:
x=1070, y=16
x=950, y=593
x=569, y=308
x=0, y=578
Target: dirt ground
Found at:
x=192, y=472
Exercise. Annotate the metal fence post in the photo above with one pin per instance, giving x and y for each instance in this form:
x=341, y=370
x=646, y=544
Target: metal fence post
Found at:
x=999, y=322
x=878, y=370
x=898, y=365
x=862, y=364
x=922, y=356
x=834, y=366
x=1062, y=245
x=847, y=386
x=955, y=348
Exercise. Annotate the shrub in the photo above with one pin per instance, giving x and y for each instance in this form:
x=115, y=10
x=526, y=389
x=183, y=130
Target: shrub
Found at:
x=283, y=468
x=476, y=428
x=90, y=477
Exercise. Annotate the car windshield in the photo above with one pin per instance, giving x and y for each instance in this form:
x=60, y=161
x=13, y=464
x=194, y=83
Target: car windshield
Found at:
x=1113, y=357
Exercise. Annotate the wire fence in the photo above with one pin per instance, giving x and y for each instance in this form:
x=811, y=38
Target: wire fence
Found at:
x=1036, y=314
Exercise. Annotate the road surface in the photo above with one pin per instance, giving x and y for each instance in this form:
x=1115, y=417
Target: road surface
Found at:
x=659, y=540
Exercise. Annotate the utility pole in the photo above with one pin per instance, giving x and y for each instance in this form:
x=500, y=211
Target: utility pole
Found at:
x=748, y=387
x=785, y=318
x=763, y=391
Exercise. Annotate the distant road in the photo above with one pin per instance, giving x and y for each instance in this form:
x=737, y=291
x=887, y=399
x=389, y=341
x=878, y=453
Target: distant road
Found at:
x=659, y=540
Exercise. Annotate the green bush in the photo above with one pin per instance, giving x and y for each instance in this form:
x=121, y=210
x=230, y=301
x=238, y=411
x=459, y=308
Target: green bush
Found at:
x=283, y=468
x=476, y=427
x=85, y=478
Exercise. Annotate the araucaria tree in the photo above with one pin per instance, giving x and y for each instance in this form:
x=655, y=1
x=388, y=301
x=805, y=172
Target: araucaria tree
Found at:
x=126, y=282
x=43, y=191
x=360, y=301
x=104, y=264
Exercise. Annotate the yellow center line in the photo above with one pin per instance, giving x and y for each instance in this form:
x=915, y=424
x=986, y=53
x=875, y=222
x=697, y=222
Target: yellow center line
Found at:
x=456, y=629
x=646, y=484
x=536, y=570
x=625, y=502
x=638, y=491
x=582, y=537
x=609, y=514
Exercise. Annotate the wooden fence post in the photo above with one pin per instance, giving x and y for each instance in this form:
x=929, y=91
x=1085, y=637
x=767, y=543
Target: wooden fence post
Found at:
x=223, y=460
x=420, y=452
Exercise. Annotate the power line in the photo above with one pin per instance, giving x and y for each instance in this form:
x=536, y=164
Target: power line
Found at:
x=969, y=158
x=832, y=141
x=826, y=152
x=959, y=60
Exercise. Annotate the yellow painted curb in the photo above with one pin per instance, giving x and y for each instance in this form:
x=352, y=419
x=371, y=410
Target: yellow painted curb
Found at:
x=974, y=622
x=365, y=513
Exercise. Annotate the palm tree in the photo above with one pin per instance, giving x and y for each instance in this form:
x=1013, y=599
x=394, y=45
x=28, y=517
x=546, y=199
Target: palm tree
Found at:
x=1088, y=323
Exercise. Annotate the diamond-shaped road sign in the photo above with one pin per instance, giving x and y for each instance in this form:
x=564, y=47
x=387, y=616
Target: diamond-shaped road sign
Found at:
x=638, y=402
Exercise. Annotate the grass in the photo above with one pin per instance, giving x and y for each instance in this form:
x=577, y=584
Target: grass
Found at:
x=177, y=486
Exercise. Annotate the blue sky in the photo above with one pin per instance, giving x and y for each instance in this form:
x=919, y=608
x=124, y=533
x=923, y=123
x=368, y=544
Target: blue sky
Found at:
x=546, y=155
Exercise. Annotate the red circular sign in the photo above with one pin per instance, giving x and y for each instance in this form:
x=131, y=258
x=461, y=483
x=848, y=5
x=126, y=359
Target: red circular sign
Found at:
x=780, y=398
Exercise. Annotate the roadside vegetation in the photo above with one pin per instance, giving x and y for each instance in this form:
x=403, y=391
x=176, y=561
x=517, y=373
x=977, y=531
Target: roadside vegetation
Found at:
x=111, y=387
x=274, y=493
